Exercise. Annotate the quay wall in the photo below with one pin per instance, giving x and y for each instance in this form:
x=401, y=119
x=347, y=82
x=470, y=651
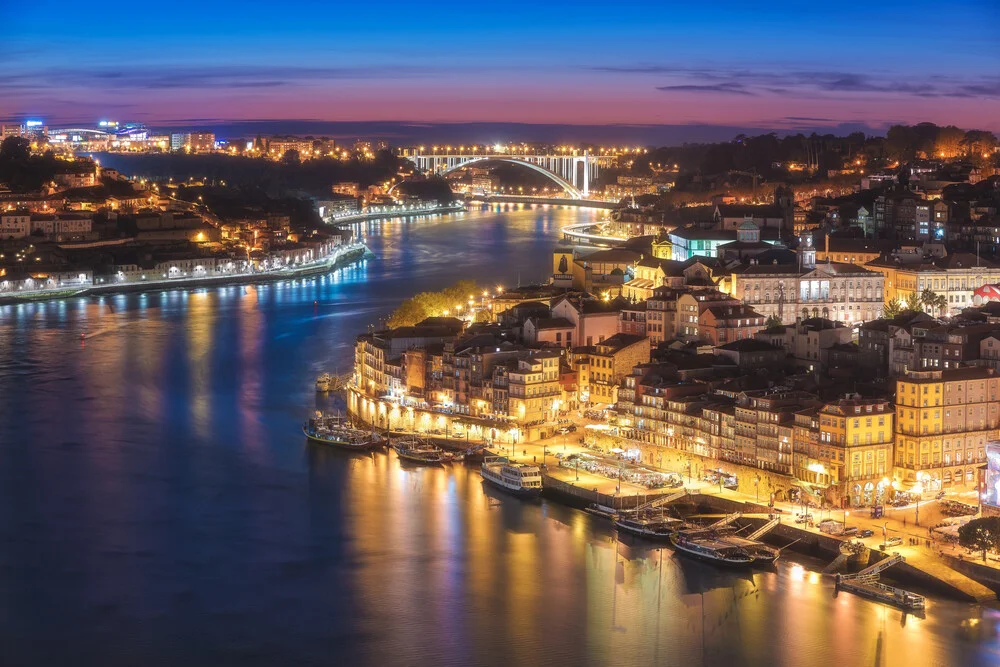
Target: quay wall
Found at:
x=578, y=496
x=984, y=574
x=402, y=213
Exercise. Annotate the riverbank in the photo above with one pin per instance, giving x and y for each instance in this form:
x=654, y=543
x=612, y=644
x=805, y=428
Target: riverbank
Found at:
x=402, y=212
x=553, y=201
x=923, y=567
x=349, y=255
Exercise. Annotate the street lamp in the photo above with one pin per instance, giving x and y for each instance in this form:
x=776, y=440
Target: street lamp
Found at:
x=846, y=514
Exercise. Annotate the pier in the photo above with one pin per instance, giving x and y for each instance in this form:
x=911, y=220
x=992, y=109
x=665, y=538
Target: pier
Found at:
x=866, y=584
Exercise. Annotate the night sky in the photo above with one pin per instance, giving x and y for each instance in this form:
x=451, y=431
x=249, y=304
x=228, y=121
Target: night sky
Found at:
x=767, y=65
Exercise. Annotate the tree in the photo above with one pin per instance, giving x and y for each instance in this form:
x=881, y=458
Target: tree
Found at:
x=451, y=300
x=934, y=301
x=982, y=534
x=291, y=156
x=772, y=322
x=913, y=302
x=892, y=309
x=15, y=149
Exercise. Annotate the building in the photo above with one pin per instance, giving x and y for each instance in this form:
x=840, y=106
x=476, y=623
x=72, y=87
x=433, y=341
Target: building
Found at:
x=855, y=450
x=956, y=277
x=831, y=290
x=750, y=353
x=603, y=366
x=278, y=146
x=731, y=216
x=604, y=270
x=889, y=342
x=947, y=345
x=808, y=341
x=594, y=319
x=763, y=429
x=696, y=241
x=944, y=418
x=721, y=324
x=15, y=224
x=534, y=389
x=556, y=331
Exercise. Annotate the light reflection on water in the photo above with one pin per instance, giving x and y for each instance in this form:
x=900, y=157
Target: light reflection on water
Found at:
x=158, y=507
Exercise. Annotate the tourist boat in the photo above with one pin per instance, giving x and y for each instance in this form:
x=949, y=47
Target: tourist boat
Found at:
x=520, y=479
x=323, y=382
x=337, y=432
x=420, y=451
x=726, y=550
x=654, y=527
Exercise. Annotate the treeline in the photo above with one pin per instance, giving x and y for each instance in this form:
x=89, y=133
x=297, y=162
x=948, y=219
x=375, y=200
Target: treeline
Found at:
x=766, y=156
x=276, y=178
x=23, y=172
x=248, y=202
x=434, y=304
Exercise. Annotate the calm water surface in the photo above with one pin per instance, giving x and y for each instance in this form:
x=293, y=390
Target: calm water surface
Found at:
x=158, y=507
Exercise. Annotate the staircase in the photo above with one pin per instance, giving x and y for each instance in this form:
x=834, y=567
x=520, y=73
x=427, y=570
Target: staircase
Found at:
x=663, y=500
x=869, y=575
x=725, y=521
x=763, y=530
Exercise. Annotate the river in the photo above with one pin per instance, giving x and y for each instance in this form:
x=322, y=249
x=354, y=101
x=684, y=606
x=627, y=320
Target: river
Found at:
x=158, y=506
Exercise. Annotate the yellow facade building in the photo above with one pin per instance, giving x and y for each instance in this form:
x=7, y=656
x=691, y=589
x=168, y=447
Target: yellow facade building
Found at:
x=944, y=418
x=855, y=439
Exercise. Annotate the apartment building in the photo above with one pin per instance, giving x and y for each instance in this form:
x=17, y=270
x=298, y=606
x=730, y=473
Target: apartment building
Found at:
x=944, y=418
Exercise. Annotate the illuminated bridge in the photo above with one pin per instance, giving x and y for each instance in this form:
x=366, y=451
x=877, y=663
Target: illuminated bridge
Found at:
x=572, y=173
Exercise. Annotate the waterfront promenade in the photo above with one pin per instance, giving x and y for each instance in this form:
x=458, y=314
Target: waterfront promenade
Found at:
x=382, y=213
x=930, y=563
x=341, y=256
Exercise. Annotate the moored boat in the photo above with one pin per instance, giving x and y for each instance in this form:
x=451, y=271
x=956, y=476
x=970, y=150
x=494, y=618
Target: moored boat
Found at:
x=725, y=550
x=420, y=451
x=338, y=432
x=648, y=526
x=520, y=479
x=601, y=511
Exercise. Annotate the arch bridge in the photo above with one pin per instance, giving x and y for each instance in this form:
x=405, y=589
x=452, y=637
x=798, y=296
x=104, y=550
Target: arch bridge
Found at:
x=564, y=170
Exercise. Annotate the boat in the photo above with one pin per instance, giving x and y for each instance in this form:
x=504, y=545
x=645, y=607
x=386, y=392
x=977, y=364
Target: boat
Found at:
x=323, y=382
x=651, y=527
x=720, y=549
x=420, y=451
x=601, y=510
x=520, y=479
x=338, y=432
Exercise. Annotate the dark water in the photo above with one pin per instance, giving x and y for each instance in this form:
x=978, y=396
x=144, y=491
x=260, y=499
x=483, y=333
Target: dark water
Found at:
x=157, y=506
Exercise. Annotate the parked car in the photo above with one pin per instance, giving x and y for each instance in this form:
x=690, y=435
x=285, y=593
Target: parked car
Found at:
x=939, y=496
x=850, y=530
x=893, y=541
x=803, y=518
x=866, y=533
x=563, y=430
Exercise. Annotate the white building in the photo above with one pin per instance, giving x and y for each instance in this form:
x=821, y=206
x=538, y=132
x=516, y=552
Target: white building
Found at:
x=15, y=224
x=832, y=290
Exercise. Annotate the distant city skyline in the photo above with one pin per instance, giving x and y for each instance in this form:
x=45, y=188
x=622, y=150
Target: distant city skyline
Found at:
x=679, y=71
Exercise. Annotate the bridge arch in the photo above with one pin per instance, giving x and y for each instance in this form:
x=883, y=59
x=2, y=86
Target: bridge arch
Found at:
x=564, y=184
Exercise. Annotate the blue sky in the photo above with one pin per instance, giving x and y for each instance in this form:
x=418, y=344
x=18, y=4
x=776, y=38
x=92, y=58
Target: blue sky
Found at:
x=771, y=65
